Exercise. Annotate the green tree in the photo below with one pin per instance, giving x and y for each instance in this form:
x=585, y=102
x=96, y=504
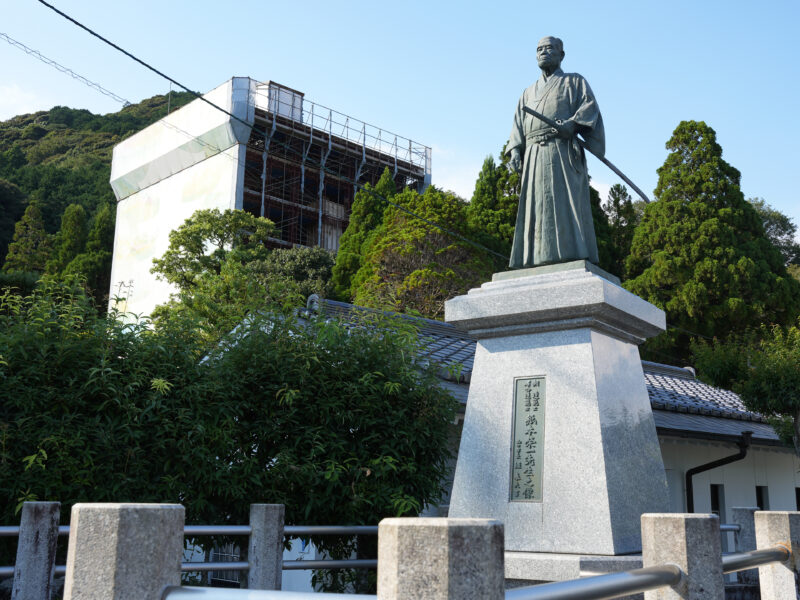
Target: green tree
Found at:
x=780, y=230
x=341, y=424
x=31, y=246
x=492, y=211
x=411, y=266
x=224, y=271
x=623, y=217
x=366, y=215
x=310, y=268
x=12, y=201
x=763, y=367
x=700, y=252
x=208, y=240
x=70, y=240
x=94, y=264
x=602, y=231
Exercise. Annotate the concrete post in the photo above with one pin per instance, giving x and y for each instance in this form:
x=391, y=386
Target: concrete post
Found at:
x=265, y=550
x=440, y=559
x=123, y=551
x=690, y=541
x=779, y=580
x=746, y=539
x=36, y=551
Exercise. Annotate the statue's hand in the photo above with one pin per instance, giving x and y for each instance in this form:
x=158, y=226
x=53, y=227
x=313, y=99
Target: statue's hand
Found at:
x=515, y=162
x=566, y=129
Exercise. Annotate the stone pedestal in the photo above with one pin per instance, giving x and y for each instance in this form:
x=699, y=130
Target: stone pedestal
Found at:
x=573, y=333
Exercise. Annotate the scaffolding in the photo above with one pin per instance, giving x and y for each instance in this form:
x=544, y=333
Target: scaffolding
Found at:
x=304, y=163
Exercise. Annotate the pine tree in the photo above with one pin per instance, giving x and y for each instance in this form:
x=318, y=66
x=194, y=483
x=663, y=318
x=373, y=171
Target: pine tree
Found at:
x=700, y=252
x=94, y=264
x=11, y=208
x=492, y=212
x=366, y=214
x=70, y=239
x=31, y=246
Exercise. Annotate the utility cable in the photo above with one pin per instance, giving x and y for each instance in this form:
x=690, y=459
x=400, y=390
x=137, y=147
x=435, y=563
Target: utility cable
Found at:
x=200, y=97
x=63, y=69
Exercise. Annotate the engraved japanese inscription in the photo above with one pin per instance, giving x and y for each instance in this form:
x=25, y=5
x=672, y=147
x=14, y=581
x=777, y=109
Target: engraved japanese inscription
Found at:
x=527, y=439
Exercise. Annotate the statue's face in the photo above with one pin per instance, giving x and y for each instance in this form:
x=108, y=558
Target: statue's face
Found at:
x=549, y=53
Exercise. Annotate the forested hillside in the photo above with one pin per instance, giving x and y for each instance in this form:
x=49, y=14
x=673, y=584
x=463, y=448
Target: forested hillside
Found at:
x=63, y=156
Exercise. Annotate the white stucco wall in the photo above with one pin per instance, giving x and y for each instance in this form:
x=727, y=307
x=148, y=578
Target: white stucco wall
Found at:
x=774, y=467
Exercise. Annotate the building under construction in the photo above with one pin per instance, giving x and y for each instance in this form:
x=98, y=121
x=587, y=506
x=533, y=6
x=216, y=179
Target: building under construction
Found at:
x=269, y=151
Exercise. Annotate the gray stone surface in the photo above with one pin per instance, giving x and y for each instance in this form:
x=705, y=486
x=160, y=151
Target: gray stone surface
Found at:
x=779, y=581
x=584, y=265
x=36, y=551
x=545, y=566
x=690, y=541
x=745, y=538
x=265, y=549
x=602, y=462
x=554, y=302
x=440, y=559
x=123, y=551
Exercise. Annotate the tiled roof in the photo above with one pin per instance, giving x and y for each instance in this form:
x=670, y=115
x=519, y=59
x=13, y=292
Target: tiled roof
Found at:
x=681, y=403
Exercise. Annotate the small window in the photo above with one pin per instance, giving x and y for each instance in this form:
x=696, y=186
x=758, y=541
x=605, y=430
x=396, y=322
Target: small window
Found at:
x=762, y=497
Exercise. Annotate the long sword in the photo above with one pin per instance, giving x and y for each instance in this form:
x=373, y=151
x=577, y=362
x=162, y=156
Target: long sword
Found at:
x=583, y=145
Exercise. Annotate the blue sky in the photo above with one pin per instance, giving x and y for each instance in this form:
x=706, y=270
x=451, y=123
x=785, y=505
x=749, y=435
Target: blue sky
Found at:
x=448, y=74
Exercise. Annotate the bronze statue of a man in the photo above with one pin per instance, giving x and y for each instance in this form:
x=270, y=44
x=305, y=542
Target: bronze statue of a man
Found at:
x=554, y=219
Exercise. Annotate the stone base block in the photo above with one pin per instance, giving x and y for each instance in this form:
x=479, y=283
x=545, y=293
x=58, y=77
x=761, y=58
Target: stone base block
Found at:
x=545, y=566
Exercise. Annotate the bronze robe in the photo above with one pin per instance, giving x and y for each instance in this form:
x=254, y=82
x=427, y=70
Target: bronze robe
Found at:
x=554, y=218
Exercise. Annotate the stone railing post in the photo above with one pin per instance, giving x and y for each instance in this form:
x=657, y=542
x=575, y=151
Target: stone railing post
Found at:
x=745, y=538
x=440, y=559
x=265, y=550
x=36, y=551
x=778, y=580
x=123, y=550
x=690, y=541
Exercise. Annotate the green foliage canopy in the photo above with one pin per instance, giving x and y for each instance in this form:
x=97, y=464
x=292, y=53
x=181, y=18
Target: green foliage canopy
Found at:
x=365, y=216
x=30, y=248
x=409, y=265
x=339, y=423
x=70, y=239
x=763, y=366
x=492, y=211
x=700, y=252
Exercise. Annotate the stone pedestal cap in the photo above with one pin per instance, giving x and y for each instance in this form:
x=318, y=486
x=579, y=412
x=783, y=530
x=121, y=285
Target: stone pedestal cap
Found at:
x=554, y=301
x=440, y=559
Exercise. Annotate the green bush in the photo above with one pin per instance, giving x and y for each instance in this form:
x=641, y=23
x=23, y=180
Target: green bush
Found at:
x=338, y=422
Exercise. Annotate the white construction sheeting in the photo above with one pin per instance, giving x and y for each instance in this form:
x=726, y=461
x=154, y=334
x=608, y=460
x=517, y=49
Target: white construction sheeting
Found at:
x=184, y=138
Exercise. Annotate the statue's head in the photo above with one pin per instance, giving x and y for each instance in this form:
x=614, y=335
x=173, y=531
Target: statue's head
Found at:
x=549, y=53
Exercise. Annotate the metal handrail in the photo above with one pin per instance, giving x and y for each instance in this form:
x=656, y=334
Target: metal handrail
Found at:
x=614, y=585
x=175, y=592
x=741, y=561
x=601, y=587
x=734, y=527
x=288, y=530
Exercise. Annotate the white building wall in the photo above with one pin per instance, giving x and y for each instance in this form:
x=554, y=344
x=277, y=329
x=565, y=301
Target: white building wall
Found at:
x=146, y=218
x=774, y=467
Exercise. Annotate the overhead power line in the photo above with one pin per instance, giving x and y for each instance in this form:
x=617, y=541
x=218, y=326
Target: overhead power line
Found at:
x=219, y=108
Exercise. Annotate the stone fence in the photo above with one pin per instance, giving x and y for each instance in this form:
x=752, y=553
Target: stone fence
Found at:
x=134, y=551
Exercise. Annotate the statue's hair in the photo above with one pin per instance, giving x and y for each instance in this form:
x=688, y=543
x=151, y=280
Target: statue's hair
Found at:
x=557, y=41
